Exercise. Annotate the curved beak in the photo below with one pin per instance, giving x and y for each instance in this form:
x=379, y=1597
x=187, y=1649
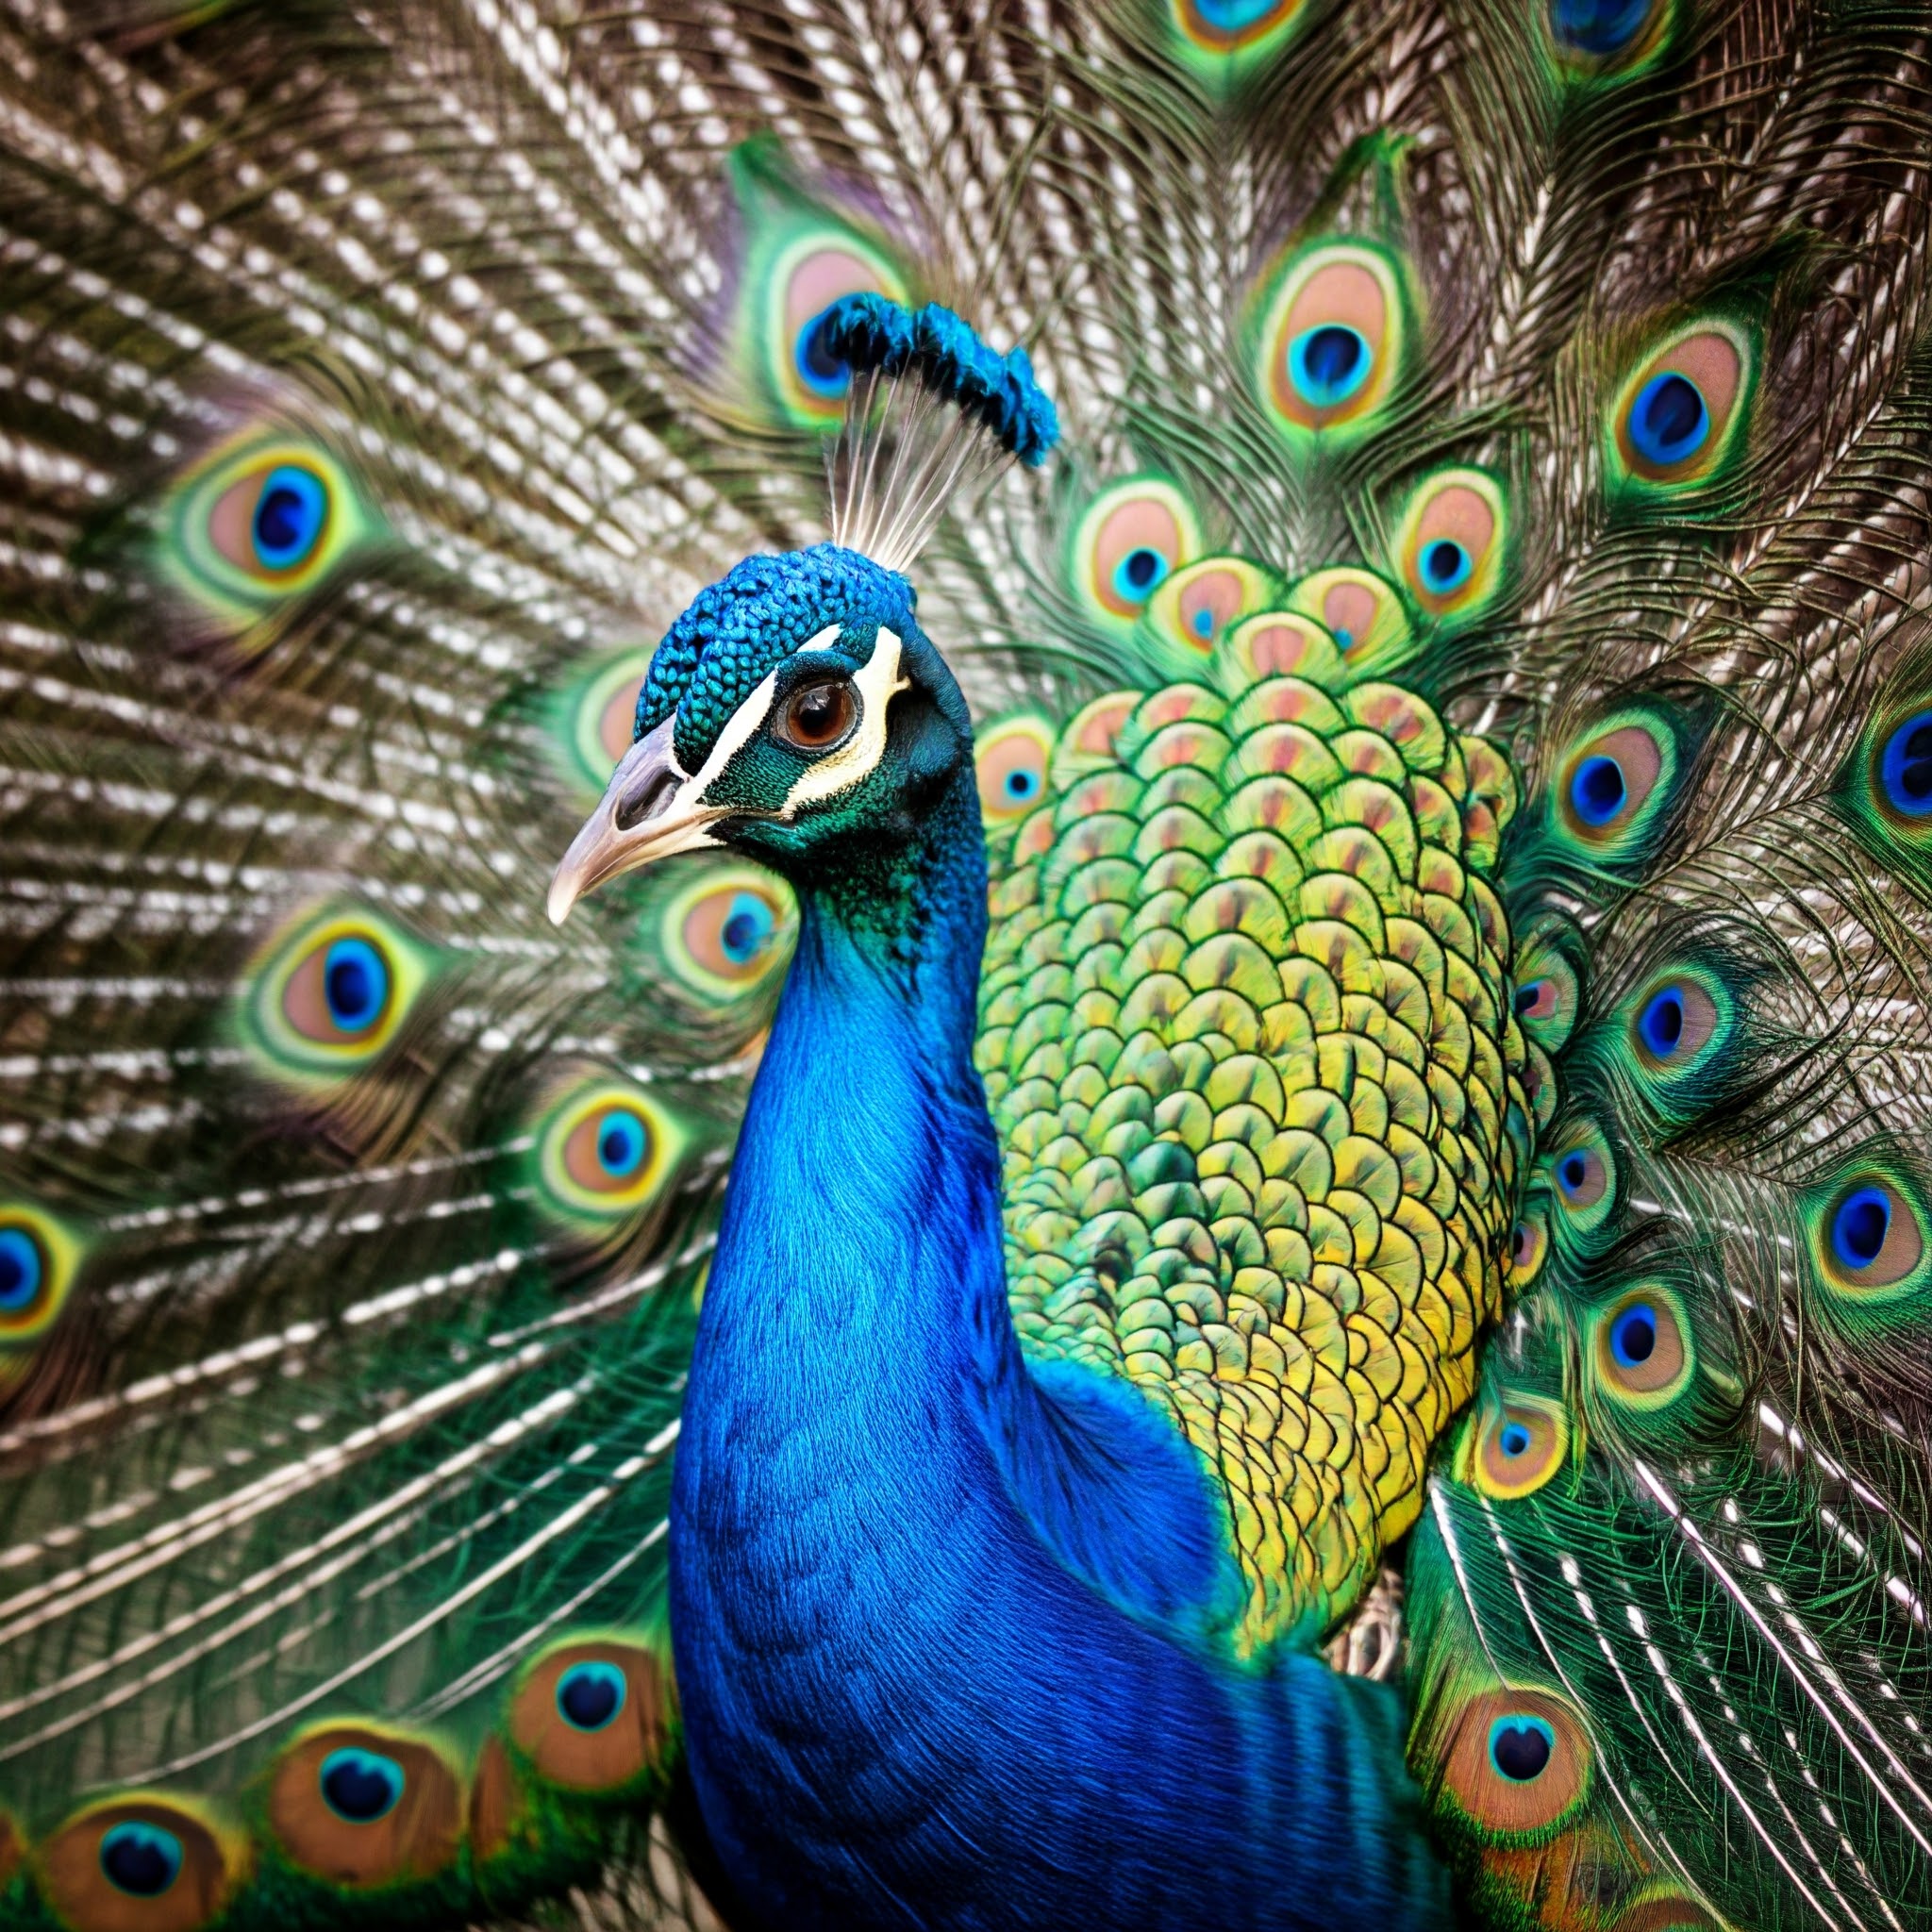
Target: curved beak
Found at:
x=650, y=810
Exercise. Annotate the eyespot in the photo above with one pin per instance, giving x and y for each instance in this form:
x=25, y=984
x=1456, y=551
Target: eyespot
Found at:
x=1333, y=337
x=1643, y=1352
x=341, y=989
x=1012, y=762
x=1360, y=612
x=1609, y=783
x=1583, y=1180
x=807, y=275
x=1452, y=541
x=1529, y=1245
x=1199, y=604
x=138, y=1862
x=1233, y=27
x=1874, y=1239
x=1905, y=768
x=1673, y=1024
x=1520, y=1746
x=605, y=1152
x=1131, y=540
x=729, y=931
x=363, y=1807
x=360, y=1786
x=1602, y=32
x=1520, y=1444
x=592, y=1713
x=1518, y=1760
x=261, y=521
x=1676, y=415
x=330, y=996
x=143, y=1860
x=590, y=1695
x=817, y=716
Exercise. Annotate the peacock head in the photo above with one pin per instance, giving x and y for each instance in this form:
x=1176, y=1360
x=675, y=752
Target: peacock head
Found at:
x=795, y=712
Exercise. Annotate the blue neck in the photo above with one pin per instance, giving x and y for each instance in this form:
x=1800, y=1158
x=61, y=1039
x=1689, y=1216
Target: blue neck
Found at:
x=924, y=1609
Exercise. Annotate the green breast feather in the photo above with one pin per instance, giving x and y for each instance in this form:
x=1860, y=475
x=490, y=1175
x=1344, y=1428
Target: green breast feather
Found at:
x=1245, y=1030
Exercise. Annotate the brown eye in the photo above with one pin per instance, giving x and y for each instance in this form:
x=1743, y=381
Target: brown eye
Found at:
x=817, y=716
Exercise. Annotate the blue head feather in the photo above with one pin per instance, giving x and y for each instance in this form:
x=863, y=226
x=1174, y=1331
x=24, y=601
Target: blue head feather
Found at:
x=869, y=332
x=753, y=618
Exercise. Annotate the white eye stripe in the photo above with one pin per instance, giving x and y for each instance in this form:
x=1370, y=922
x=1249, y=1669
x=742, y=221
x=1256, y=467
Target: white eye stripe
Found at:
x=846, y=766
x=817, y=642
x=739, y=728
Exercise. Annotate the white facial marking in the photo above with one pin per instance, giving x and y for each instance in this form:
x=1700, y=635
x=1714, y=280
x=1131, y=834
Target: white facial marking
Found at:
x=821, y=639
x=846, y=766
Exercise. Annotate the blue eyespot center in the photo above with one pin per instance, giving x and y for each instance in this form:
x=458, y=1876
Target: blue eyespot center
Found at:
x=1329, y=364
x=1633, y=1335
x=1203, y=622
x=1512, y=1439
x=360, y=1786
x=1526, y=996
x=590, y=1695
x=621, y=1143
x=1020, y=785
x=1669, y=421
x=1234, y=16
x=23, y=1269
x=1597, y=792
x=1597, y=27
x=1445, y=566
x=1521, y=1747
x=1572, y=1170
x=289, y=517
x=1905, y=769
x=1140, y=574
x=821, y=372
x=747, y=929
x=141, y=1860
x=355, y=982
x=1859, y=1227
x=1660, y=1025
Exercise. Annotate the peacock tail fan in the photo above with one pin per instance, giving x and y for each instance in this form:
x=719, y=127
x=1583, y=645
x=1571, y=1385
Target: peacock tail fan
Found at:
x=1454, y=747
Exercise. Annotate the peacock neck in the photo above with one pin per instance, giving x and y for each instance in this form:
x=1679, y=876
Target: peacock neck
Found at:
x=929, y=1612
x=862, y=1221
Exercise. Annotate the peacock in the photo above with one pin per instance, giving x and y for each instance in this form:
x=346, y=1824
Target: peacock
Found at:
x=966, y=964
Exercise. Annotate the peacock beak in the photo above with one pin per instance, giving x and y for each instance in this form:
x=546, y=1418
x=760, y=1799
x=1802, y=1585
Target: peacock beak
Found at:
x=650, y=810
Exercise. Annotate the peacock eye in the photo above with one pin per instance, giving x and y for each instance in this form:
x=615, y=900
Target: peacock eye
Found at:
x=590, y=1694
x=24, y=1272
x=606, y=1151
x=1520, y=1746
x=1010, y=762
x=141, y=1860
x=603, y=1152
x=1332, y=337
x=1131, y=540
x=1874, y=1236
x=1519, y=1445
x=1599, y=30
x=1642, y=1350
x=360, y=1786
x=816, y=716
x=1675, y=1024
x=1680, y=408
x=1610, y=780
x=1905, y=767
x=1452, y=542
x=340, y=990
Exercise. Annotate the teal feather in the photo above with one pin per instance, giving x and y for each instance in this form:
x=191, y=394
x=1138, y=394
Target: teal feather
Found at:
x=376, y=385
